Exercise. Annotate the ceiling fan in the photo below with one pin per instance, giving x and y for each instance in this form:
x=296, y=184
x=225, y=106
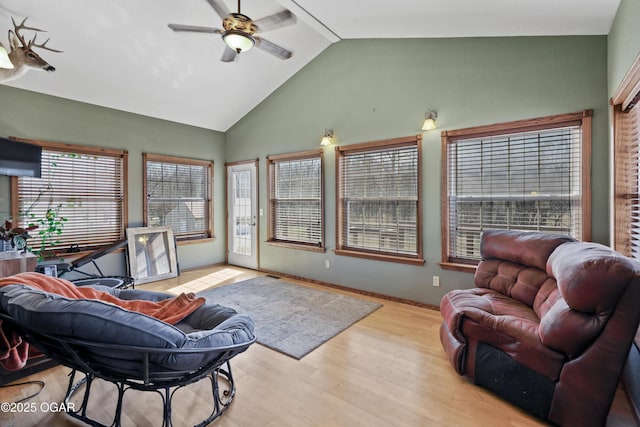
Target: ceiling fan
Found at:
x=239, y=31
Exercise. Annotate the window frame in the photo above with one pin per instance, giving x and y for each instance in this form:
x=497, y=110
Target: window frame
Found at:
x=208, y=165
x=345, y=250
x=271, y=239
x=68, y=148
x=625, y=198
x=581, y=118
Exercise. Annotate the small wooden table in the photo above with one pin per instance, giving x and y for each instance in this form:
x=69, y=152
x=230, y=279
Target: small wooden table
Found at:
x=14, y=262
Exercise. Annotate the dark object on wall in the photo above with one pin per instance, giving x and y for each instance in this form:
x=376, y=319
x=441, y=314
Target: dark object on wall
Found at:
x=548, y=326
x=20, y=158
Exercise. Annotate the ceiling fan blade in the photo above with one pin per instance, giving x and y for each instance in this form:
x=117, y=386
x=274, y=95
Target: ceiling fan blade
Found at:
x=275, y=21
x=272, y=48
x=219, y=7
x=228, y=55
x=194, y=28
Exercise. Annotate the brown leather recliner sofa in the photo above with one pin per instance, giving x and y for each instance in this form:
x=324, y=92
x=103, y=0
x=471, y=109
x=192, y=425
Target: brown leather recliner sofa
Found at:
x=548, y=326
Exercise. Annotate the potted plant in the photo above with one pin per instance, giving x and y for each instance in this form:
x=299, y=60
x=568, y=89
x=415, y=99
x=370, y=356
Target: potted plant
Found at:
x=14, y=237
x=51, y=224
x=49, y=228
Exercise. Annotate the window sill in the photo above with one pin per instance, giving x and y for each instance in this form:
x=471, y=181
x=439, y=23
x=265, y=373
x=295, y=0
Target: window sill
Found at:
x=458, y=267
x=380, y=257
x=296, y=246
x=195, y=241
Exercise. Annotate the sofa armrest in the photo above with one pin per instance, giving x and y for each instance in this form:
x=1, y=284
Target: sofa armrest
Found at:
x=591, y=279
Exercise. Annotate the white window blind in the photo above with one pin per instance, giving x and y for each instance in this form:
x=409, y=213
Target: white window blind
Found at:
x=627, y=181
x=295, y=199
x=529, y=180
x=379, y=199
x=88, y=187
x=178, y=195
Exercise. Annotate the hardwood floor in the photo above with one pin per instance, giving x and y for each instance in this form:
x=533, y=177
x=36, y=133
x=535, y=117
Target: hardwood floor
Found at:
x=389, y=369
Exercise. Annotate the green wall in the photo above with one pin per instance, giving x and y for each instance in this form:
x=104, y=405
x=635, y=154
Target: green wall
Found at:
x=623, y=42
x=365, y=90
x=31, y=115
x=368, y=90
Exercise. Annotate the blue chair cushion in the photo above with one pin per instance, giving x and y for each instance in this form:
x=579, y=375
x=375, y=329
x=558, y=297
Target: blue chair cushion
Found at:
x=209, y=327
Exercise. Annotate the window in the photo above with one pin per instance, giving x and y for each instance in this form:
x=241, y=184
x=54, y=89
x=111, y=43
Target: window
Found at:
x=178, y=195
x=87, y=184
x=524, y=175
x=626, y=164
x=295, y=194
x=378, y=200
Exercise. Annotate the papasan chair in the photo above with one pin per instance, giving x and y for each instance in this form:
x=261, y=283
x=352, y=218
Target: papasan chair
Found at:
x=99, y=338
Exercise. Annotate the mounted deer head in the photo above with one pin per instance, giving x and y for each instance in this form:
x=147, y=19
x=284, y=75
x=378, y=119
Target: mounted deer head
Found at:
x=22, y=55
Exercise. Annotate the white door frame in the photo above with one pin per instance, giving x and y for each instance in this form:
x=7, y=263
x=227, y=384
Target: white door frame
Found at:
x=242, y=215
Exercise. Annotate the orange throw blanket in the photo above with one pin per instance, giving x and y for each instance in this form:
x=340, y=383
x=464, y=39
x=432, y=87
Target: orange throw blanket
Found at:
x=13, y=349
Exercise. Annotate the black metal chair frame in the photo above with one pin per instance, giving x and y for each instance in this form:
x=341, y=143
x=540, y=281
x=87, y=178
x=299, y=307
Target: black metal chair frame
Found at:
x=90, y=258
x=124, y=281
x=76, y=354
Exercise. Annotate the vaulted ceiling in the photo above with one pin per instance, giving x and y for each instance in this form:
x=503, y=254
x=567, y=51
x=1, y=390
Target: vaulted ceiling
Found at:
x=121, y=54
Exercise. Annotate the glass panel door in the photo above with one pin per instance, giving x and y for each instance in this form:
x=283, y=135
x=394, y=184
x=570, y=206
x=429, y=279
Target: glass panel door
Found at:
x=242, y=217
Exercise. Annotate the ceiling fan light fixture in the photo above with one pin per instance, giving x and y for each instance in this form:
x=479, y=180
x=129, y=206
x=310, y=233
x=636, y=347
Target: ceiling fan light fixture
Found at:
x=238, y=40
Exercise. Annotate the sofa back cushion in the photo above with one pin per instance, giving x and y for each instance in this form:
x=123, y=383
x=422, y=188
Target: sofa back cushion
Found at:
x=513, y=280
x=590, y=280
x=514, y=264
x=528, y=249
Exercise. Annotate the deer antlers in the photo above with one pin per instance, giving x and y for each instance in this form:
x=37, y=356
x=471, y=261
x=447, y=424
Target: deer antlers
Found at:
x=32, y=42
x=23, y=56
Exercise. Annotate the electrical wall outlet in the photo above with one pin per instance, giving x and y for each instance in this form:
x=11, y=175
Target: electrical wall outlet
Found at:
x=436, y=281
x=327, y=263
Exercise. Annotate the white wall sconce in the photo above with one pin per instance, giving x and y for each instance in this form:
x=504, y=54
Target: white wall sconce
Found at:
x=430, y=120
x=5, y=62
x=327, y=138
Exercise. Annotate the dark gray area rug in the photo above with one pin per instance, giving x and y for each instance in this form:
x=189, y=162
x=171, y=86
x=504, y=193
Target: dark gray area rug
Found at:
x=291, y=319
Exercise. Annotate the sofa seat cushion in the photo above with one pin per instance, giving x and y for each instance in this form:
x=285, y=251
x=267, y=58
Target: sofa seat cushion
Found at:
x=484, y=315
